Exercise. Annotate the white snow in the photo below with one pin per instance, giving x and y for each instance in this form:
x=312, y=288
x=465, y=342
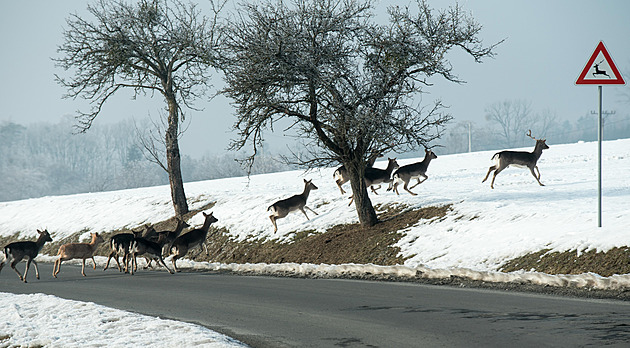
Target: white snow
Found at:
x=485, y=228
x=39, y=320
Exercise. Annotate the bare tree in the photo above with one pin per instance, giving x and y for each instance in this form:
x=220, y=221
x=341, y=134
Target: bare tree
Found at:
x=513, y=118
x=149, y=46
x=342, y=82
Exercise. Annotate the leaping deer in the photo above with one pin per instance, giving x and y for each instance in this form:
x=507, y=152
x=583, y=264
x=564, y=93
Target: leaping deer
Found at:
x=283, y=207
x=415, y=170
x=599, y=72
x=505, y=159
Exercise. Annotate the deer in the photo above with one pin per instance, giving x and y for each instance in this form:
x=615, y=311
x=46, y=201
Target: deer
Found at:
x=143, y=246
x=521, y=159
x=191, y=239
x=411, y=171
x=377, y=176
x=283, y=207
x=25, y=249
x=121, y=244
x=166, y=238
x=78, y=251
x=341, y=174
x=599, y=72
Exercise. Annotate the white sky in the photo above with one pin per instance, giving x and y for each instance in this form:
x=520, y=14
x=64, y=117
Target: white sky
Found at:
x=548, y=43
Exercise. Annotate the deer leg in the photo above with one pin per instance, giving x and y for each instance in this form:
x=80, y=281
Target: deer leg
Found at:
x=134, y=263
x=148, y=260
x=161, y=260
x=339, y=183
x=374, y=189
x=395, y=187
x=494, y=176
x=36, y=270
x=93, y=263
x=28, y=265
x=419, y=182
x=536, y=177
x=406, y=189
x=313, y=211
x=304, y=212
x=173, y=260
x=57, y=267
x=351, y=200
x=13, y=263
x=83, y=267
x=273, y=221
x=111, y=255
x=488, y=174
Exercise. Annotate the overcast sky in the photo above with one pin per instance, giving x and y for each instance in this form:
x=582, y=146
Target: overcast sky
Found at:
x=547, y=45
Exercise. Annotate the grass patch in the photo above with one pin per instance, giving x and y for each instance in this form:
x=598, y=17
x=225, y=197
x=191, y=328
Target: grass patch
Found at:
x=606, y=264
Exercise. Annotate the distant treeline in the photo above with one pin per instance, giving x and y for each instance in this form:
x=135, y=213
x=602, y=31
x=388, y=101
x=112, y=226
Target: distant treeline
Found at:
x=45, y=159
x=491, y=136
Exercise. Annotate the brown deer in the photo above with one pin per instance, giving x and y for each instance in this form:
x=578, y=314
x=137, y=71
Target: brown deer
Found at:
x=191, y=239
x=19, y=250
x=166, y=238
x=521, y=159
x=120, y=244
x=143, y=246
x=341, y=174
x=377, y=176
x=77, y=251
x=283, y=207
x=411, y=171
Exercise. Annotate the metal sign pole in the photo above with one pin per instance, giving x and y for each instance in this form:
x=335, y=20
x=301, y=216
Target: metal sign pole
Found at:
x=600, y=132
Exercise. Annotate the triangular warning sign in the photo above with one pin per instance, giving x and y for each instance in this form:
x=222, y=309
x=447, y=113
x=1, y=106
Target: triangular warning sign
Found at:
x=600, y=69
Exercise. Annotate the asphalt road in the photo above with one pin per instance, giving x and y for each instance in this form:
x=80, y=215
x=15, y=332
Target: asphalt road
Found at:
x=291, y=312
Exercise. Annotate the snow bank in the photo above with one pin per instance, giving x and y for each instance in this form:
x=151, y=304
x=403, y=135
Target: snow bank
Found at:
x=40, y=320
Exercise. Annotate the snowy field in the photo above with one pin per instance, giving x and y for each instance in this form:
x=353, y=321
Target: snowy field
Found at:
x=485, y=227
x=43, y=320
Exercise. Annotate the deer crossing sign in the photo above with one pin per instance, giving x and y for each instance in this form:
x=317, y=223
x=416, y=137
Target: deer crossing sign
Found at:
x=600, y=69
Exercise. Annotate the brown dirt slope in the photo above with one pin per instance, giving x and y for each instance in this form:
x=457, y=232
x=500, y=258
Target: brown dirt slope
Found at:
x=340, y=244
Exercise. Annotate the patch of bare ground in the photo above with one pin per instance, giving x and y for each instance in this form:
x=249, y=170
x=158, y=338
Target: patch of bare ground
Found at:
x=348, y=243
x=613, y=261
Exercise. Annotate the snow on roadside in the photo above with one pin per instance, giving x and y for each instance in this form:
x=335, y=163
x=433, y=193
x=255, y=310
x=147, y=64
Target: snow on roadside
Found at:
x=39, y=320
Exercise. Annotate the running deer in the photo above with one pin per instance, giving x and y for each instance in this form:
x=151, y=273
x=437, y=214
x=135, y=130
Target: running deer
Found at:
x=151, y=250
x=19, y=250
x=283, y=207
x=120, y=244
x=411, y=171
x=520, y=159
x=377, y=176
x=191, y=239
x=77, y=251
x=341, y=174
x=166, y=238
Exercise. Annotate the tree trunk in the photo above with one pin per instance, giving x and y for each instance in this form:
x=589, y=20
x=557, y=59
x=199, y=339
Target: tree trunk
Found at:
x=362, y=202
x=173, y=160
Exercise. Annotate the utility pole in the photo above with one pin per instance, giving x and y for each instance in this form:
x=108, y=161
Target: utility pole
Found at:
x=469, y=138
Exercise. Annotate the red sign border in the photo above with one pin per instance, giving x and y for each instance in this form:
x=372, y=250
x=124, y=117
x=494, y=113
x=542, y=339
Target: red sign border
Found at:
x=600, y=48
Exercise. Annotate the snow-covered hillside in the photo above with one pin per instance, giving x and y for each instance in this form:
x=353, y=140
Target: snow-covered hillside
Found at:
x=485, y=228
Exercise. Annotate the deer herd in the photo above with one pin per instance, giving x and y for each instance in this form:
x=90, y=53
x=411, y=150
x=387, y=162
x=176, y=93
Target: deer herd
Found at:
x=154, y=245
